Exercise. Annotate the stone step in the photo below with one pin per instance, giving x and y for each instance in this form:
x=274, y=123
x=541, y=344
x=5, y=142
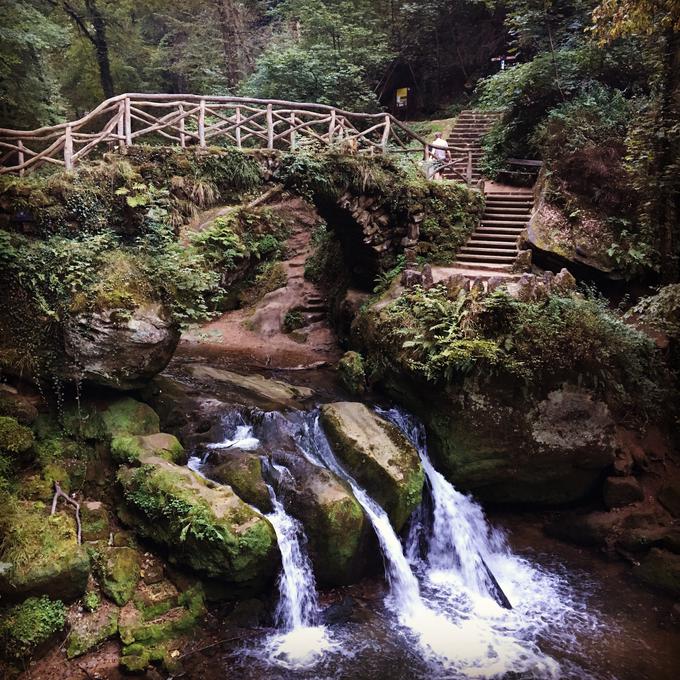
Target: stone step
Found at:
x=499, y=259
x=487, y=266
x=492, y=236
x=506, y=210
x=509, y=222
x=490, y=243
x=314, y=317
x=510, y=198
x=481, y=250
x=499, y=230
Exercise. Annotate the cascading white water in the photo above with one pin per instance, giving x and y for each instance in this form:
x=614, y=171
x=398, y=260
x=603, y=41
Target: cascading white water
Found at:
x=302, y=641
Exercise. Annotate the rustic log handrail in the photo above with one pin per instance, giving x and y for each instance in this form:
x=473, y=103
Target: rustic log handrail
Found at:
x=194, y=119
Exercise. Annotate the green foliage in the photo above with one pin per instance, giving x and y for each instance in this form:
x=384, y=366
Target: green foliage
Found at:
x=293, y=320
x=14, y=438
x=27, y=625
x=536, y=343
x=91, y=601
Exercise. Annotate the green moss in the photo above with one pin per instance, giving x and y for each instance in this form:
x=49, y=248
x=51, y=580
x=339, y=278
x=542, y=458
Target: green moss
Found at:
x=345, y=520
x=127, y=416
x=118, y=571
x=352, y=373
x=91, y=629
x=26, y=626
x=14, y=438
x=205, y=527
x=131, y=448
x=43, y=553
x=91, y=601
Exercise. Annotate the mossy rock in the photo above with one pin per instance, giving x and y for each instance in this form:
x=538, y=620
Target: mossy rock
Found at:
x=95, y=521
x=352, y=373
x=127, y=448
x=43, y=554
x=338, y=532
x=27, y=627
x=127, y=416
x=118, y=571
x=242, y=471
x=147, y=640
x=17, y=406
x=378, y=455
x=203, y=525
x=14, y=437
x=661, y=570
x=91, y=628
x=154, y=599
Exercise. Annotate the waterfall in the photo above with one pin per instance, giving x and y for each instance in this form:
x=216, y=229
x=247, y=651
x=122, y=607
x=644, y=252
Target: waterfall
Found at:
x=298, y=604
x=301, y=642
x=457, y=536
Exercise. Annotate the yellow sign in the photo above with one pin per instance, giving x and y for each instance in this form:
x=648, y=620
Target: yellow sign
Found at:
x=402, y=92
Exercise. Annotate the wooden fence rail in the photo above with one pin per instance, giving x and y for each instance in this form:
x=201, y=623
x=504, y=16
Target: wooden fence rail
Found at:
x=195, y=120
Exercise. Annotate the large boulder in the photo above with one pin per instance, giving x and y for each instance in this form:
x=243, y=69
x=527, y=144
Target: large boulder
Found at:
x=378, y=455
x=203, y=525
x=242, y=471
x=338, y=532
x=506, y=448
x=40, y=555
x=120, y=350
x=660, y=569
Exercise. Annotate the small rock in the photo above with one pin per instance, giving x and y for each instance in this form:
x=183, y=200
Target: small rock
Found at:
x=88, y=630
x=564, y=282
x=621, y=491
x=548, y=277
x=428, y=280
x=119, y=574
x=454, y=285
x=339, y=612
x=411, y=278
x=525, y=288
x=623, y=465
x=248, y=613
x=152, y=569
x=476, y=286
x=541, y=291
x=522, y=262
x=95, y=521
x=494, y=283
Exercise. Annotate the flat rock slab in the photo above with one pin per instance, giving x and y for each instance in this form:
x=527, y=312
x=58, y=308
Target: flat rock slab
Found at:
x=265, y=391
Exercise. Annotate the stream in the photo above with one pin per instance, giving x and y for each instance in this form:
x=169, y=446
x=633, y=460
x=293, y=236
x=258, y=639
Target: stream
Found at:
x=458, y=602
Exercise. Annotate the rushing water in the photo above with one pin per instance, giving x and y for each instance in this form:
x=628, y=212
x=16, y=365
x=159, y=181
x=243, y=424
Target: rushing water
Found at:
x=447, y=582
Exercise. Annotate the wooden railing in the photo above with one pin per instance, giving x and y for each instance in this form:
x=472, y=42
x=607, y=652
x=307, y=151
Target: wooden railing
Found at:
x=197, y=120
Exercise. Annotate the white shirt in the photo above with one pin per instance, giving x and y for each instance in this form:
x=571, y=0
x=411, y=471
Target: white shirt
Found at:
x=439, y=153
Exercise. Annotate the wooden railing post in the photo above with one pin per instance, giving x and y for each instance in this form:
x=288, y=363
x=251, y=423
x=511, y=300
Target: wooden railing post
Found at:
x=201, y=124
x=270, y=127
x=292, y=131
x=469, y=167
x=68, y=148
x=120, y=130
x=128, y=122
x=238, y=127
x=182, y=138
x=331, y=128
x=20, y=144
x=386, y=134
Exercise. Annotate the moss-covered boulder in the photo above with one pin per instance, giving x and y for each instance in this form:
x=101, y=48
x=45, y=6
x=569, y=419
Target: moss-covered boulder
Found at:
x=203, y=525
x=243, y=472
x=660, y=569
x=94, y=519
x=28, y=627
x=352, y=373
x=338, y=532
x=128, y=448
x=118, y=571
x=14, y=437
x=42, y=554
x=150, y=639
x=128, y=416
x=88, y=629
x=378, y=455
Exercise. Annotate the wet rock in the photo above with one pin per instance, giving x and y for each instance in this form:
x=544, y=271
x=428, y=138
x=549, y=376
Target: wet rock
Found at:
x=337, y=530
x=119, y=351
x=378, y=455
x=621, y=491
x=660, y=569
x=270, y=394
x=242, y=471
x=564, y=282
x=155, y=599
x=592, y=529
x=88, y=629
x=17, y=406
x=203, y=525
x=352, y=374
x=669, y=497
x=127, y=417
x=118, y=571
x=339, y=612
x=43, y=555
x=249, y=613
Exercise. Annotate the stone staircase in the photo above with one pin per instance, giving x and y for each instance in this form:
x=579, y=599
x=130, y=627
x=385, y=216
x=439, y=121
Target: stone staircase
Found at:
x=493, y=245
x=467, y=133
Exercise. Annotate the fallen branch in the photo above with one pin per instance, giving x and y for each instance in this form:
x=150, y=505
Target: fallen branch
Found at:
x=58, y=493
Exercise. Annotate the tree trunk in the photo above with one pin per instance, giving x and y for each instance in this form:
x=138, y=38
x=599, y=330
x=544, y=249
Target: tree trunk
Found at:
x=101, y=47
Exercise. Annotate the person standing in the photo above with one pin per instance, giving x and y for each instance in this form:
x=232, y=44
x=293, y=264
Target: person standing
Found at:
x=439, y=153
